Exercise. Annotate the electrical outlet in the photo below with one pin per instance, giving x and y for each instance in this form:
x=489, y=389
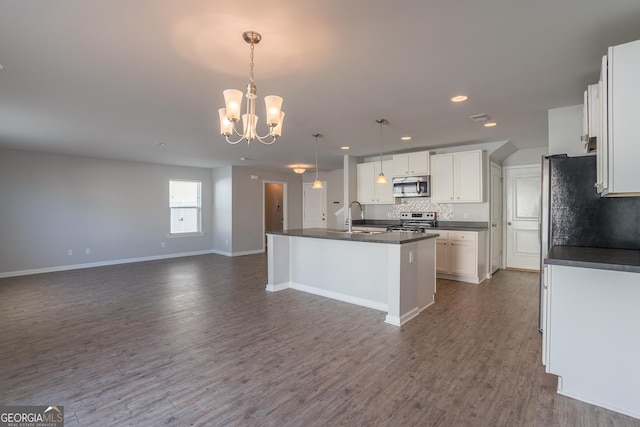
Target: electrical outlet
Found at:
x=410, y=257
x=465, y=215
x=162, y=245
x=87, y=251
x=69, y=252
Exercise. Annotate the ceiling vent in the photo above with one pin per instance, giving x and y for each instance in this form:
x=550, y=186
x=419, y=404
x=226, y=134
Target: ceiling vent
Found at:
x=480, y=118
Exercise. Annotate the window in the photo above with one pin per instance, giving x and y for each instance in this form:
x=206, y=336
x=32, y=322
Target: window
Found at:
x=185, y=203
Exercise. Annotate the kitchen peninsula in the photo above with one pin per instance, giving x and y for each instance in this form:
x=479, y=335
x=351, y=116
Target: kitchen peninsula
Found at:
x=388, y=271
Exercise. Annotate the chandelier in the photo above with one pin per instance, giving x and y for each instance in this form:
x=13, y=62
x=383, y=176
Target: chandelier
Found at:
x=233, y=104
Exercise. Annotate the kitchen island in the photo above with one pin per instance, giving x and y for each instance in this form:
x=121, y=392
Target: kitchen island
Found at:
x=392, y=272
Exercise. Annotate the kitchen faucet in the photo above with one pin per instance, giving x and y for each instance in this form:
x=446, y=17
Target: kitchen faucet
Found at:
x=349, y=221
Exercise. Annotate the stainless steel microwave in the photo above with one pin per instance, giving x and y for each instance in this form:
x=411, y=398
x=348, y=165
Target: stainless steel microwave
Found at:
x=411, y=186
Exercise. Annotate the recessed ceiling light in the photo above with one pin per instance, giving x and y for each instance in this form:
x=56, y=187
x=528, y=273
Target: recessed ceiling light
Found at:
x=161, y=144
x=459, y=98
x=490, y=124
x=406, y=138
x=345, y=147
x=243, y=158
x=1, y=67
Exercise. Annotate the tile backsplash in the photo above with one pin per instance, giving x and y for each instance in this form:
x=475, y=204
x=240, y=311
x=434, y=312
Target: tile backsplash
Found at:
x=444, y=210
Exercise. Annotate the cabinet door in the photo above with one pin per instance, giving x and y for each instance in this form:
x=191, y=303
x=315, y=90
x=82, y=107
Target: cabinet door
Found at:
x=383, y=192
x=624, y=132
x=442, y=177
x=419, y=163
x=602, y=140
x=468, y=176
x=442, y=253
x=366, y=183
x=462, y=257
x=401, y=165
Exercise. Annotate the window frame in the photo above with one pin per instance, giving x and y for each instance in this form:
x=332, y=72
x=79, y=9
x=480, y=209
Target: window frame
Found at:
x=198, y=207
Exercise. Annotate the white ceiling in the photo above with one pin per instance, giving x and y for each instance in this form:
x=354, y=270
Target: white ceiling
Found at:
x=117, y=78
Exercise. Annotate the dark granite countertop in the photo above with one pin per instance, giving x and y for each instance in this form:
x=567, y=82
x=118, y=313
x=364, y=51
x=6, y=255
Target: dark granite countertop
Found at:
x=600, y=258
x=393, y=237
x=462, y=226
x=441, y=225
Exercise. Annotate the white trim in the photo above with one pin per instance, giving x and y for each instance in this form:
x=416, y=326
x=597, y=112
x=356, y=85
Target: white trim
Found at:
x=340, y=297
x=232, y=254
x=278, y=287
x=195, y=234
x=100, y=264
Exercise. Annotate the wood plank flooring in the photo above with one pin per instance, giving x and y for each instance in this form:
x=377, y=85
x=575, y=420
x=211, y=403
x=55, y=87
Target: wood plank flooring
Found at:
x=197, y=341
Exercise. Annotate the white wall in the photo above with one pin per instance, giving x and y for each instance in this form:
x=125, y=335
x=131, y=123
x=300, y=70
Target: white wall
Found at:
x=527, y=156
x=50, y=204
x=565, y=128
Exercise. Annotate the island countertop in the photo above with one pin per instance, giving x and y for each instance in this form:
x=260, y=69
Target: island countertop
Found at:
x=389, y=237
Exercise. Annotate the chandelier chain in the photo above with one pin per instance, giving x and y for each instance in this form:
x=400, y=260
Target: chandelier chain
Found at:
x=251, y=63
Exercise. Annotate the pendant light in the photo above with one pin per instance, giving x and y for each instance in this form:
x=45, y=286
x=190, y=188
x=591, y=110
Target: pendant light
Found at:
x=381, y=178
x=317, y=184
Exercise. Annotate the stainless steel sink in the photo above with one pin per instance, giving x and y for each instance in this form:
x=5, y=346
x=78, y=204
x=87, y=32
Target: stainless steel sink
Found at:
x=356, y=232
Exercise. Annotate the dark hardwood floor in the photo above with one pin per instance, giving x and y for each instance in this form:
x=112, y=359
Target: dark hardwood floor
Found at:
x=198, y=341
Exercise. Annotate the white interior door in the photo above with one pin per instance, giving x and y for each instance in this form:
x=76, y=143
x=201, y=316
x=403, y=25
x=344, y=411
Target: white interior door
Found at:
x=314, y=208
x=523, y=210
x=496, y=217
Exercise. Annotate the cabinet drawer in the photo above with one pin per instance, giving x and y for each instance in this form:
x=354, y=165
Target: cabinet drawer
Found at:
x=463, y=235
x=443, y=235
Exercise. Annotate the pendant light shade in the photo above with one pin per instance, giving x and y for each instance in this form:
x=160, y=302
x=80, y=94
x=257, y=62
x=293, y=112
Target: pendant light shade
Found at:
x=317, y=184
x=381, y=178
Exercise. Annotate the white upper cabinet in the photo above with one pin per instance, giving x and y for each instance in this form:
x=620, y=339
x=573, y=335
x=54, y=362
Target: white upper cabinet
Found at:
x=411, y=164
x=457, y=177
x=619, y=148
x=368, y=191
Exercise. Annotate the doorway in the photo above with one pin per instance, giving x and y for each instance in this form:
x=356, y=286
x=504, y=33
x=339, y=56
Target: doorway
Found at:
x=274, y=207
x=314, y=207
x=522, y=214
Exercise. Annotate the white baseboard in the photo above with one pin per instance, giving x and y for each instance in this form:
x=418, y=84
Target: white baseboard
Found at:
x=278, y=287
x=232, y=254
x=341, y=297
x=459, y=278
x=99, y=264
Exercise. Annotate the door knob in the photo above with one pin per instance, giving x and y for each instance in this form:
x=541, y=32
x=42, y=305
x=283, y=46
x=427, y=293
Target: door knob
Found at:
x=494, y=225
x=509, y=223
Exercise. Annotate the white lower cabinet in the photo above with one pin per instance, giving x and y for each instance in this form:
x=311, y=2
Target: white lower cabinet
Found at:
x=590, y=335
x=460, y=256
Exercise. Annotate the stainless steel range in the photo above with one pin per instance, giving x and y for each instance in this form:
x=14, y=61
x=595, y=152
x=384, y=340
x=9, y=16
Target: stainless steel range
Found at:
x=416, y=222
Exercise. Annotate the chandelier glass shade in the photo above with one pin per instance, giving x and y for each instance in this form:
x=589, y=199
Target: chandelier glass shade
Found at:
x=230, y=115
x=299, y=170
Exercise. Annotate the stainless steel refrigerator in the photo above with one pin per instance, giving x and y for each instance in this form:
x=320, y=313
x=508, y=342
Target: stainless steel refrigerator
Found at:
x=573, y=213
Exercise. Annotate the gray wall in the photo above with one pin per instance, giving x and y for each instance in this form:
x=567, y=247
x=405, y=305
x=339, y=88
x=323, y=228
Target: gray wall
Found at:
x=50, y=204
x=222, y=210
x=238, y=220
